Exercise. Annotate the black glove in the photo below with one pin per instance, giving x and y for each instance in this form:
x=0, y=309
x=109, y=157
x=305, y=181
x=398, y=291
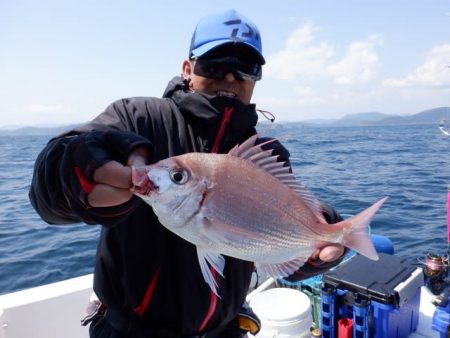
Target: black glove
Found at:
x=91, y=150
x=83, y=155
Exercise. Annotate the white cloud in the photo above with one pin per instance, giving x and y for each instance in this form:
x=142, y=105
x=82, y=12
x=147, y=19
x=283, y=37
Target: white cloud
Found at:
x=301, y=37
x=304, y=56
x=359, y=62
x=272, y=103
x=44, y=108
x=40, y=114
x=306, y=96
x=434, y=72
x=300, y=56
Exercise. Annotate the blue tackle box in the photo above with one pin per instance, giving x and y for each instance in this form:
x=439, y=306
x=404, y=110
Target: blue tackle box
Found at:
x=380, y=298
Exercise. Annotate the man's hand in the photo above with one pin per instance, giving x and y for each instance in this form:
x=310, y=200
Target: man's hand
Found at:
x=114, y=180
x=329, y=253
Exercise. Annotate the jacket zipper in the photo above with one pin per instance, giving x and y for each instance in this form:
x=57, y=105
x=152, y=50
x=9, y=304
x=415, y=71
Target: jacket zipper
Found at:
x=225, y=120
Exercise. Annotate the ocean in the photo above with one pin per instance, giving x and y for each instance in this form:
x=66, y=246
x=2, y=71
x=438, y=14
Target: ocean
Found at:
x=348, y=167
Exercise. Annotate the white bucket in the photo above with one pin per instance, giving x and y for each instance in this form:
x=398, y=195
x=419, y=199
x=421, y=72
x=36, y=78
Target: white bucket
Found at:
x=283, y=313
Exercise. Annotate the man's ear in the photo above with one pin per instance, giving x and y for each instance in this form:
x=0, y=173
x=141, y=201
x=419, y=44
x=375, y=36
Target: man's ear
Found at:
x=187, y=69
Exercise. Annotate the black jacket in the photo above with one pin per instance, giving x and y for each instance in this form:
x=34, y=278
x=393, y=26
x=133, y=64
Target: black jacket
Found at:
x=144, y=271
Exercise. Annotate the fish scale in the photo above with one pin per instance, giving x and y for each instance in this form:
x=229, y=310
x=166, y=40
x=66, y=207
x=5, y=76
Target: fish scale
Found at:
x=268, y=209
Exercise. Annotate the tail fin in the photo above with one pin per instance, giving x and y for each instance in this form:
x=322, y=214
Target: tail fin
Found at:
x=356, y=236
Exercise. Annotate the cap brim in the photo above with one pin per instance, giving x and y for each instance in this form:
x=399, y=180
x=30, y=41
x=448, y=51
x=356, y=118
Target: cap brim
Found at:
x=210, y=46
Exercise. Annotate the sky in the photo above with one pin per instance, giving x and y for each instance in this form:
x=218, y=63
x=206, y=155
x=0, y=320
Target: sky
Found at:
x=65, y=61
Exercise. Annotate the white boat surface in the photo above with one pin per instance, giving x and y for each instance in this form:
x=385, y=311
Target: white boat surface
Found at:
x=47, y=311
x=444, y=126
x=445, y=130
x=55, y=310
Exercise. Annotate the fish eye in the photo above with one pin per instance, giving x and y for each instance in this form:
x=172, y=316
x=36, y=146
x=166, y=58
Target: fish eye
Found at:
x=178, y=176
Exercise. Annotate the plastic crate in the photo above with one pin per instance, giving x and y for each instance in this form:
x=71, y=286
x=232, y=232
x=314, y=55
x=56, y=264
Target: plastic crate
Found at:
x=312, y=288
x=441, y=319
x=381, y=297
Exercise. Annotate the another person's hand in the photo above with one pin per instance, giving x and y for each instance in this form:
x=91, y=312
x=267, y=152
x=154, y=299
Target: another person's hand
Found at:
x=114, y=180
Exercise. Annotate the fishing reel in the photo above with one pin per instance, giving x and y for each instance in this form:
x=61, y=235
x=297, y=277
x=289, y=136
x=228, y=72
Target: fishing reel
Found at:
x=436, y=269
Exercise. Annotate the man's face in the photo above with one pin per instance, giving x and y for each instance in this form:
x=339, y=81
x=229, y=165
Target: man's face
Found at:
x=228, y=72
x=229, y=86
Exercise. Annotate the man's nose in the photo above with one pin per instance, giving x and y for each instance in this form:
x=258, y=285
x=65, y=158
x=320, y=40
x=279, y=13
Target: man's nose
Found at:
x=230, y=77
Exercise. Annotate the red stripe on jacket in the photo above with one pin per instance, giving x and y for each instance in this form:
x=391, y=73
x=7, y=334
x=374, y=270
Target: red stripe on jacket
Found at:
x=212, y=304
x=140, y=309
x=225, y=119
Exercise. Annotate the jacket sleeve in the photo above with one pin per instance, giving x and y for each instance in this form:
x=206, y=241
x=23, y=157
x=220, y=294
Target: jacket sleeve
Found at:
x=63, y=173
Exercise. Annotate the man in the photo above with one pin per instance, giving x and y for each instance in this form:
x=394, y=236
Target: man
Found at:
x=147, y=278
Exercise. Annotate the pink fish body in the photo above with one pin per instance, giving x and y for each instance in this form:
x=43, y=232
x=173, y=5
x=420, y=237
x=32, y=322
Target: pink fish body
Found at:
x=246, y=205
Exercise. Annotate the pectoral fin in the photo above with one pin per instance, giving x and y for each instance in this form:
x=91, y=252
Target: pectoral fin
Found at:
x=282, y=269
x=216, y=262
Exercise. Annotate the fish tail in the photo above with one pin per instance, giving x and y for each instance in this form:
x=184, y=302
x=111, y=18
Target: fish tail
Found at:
x=356, y=236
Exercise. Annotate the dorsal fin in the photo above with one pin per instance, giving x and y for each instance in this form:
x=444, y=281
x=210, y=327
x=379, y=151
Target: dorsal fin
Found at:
x=264, y=161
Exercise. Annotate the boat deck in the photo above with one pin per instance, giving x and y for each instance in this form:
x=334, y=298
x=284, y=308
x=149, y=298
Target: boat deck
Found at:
x=55, y=310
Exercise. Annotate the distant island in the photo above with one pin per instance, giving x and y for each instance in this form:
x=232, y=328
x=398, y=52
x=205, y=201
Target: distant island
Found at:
x=37, y=131
x=430, y=116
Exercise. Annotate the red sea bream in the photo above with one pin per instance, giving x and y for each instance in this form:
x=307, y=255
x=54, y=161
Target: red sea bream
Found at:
x=246, y=205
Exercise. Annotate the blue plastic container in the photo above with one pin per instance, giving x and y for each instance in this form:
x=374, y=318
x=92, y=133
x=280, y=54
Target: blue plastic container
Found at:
x=382, y=244
x=312, y=286
x=381, y=297
x=441, y=320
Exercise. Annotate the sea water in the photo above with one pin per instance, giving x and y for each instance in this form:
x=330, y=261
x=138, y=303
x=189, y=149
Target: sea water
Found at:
x=348, y=167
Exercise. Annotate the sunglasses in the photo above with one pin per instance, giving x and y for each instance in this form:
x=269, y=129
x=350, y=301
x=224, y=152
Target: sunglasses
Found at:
x=218, y=68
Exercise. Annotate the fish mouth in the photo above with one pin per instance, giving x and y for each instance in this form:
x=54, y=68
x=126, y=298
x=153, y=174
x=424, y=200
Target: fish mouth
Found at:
x=141, y=182
x=150, y=187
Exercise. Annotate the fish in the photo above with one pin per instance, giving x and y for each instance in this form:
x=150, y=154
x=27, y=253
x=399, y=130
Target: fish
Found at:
x=248, y=205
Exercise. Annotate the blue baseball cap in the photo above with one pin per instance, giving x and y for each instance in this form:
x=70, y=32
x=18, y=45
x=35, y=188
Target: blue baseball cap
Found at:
x=229, y=27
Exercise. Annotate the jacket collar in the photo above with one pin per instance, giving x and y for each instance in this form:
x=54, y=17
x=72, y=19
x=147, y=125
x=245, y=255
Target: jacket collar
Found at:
x=205, y=112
